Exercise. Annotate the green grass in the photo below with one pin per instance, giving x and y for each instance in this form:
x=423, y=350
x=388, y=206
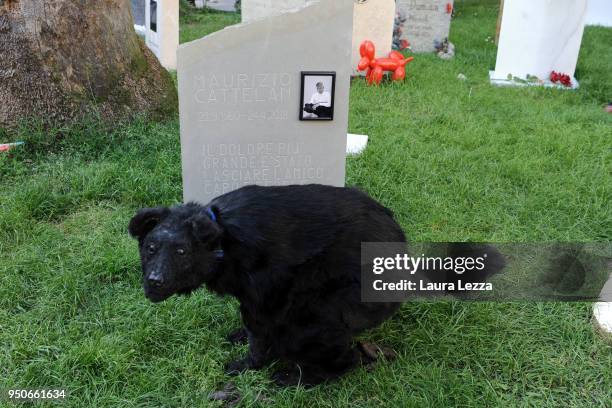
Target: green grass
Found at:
x=455, y=161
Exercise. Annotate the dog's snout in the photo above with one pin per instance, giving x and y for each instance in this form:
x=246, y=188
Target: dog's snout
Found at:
x=155, y=280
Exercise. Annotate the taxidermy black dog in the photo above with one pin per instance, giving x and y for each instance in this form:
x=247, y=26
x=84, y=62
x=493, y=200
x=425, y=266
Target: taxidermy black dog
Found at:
x=290, y=255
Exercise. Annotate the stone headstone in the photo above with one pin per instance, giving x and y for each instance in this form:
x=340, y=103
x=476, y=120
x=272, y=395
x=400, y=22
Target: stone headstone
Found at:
x=138, y=12
x=425, y=22
x=373, y=20
x=240, y=101
x=162, y=30
x=539, y=37
x=256, y=9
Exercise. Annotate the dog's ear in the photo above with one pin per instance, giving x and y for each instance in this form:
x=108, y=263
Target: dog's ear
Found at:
x=203, y=228
x=145, y=220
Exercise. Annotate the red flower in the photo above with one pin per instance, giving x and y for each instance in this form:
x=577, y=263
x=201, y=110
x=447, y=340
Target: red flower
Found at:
x=449, y=8
x=563, y=79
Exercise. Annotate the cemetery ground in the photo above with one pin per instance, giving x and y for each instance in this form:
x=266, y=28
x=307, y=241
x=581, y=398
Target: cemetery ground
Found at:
x=455, y=160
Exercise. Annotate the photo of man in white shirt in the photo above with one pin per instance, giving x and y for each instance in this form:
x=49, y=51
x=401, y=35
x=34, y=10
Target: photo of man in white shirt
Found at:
x=319, y=104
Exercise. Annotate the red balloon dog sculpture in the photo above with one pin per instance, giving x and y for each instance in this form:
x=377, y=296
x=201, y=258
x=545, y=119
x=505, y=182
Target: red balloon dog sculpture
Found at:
x=395, y=63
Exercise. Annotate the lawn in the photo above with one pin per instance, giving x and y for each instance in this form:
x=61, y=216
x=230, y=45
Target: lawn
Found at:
x=455, y=160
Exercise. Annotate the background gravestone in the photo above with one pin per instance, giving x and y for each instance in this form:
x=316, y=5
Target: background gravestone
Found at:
x=162, y=30
x=373, y=20
x=539, y=37
x=239, y=93
x=138, y=12
x=427, y=22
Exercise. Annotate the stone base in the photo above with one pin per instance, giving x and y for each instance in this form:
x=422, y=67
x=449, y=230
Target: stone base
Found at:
x=140, y=30
x=545, y=82
x=355, y=144
x=602, y=311
x=602, y=315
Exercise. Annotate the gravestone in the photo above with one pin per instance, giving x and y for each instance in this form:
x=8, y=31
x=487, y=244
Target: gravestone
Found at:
x=138, y=12
x=426, y=23
x=240, y=101
x=537, y=38
x=372, y=20
x=162, y=30
x=256, y=9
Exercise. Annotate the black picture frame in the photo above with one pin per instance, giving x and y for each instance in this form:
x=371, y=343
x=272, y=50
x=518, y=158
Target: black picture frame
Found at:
x=327, y=116
x=153, y=15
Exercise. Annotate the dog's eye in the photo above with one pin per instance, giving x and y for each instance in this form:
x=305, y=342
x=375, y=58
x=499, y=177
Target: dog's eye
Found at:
x=151, y=248
x=180, y=251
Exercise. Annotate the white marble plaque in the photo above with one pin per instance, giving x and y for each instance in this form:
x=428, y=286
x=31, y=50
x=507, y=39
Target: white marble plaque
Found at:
x=538, y=37
x=427, y=22
x=162, y=30
x=240, y=102
x=373, y=20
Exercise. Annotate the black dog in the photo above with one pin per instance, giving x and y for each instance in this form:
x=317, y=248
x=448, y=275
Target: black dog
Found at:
x=290, y=255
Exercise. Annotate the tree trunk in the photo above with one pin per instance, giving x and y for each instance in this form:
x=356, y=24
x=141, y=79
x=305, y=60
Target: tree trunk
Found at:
x=63, y=60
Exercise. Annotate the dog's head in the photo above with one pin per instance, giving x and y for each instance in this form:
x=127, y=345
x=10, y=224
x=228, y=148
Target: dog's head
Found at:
x=177, y=248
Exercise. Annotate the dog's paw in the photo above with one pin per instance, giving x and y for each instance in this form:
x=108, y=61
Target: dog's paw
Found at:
x=286, y=377
x=370, y=353
x=238, y=366
x=238, y=336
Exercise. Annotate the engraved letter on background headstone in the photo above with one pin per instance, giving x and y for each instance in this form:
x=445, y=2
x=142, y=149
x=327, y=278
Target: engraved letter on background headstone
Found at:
x=427, y=21
x=239, y=94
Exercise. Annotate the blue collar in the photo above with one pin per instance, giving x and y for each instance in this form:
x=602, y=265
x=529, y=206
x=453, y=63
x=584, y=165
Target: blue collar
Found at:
x=219, y=254
x=211, y=214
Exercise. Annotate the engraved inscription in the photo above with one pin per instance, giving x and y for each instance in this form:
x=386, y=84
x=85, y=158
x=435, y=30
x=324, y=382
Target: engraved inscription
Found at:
x=219, y=96
x=229, y=166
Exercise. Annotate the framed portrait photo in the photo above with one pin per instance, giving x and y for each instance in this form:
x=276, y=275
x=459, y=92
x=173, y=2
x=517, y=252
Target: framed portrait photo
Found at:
x=153, y=14
x=317, y=96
